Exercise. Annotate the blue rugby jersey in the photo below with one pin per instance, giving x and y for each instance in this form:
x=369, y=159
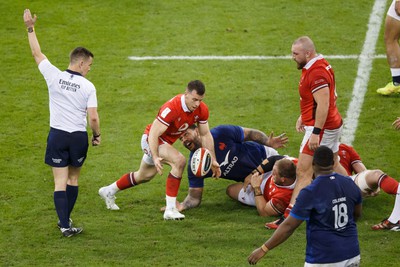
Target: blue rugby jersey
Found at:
x=327, y=205
x=236, y=158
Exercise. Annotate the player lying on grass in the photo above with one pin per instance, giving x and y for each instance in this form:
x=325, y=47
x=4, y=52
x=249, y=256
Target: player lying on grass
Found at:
x=238, y=150
x=271, y=191
x=330, y=205
x=370, y=182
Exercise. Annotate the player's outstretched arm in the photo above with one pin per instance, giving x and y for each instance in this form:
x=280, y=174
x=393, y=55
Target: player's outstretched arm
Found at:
x=261, y=138
x=284, y=231
x=33, y=41
x=278, y=141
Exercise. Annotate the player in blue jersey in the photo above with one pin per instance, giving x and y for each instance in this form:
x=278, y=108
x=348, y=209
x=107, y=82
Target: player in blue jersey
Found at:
x=330, y=205
x=238, y=150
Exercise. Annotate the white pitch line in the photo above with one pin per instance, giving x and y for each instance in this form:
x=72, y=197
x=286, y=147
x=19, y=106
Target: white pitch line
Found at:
x=144, y=58
x=363, y=73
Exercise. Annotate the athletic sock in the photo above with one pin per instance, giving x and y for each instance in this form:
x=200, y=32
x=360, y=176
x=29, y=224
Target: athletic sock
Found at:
x=172, y=189
x=395, y=76
x=388, y=184
x=395, y=216
x=126, y=181
x=61, y=204
x=171, y=202
x=72, y=195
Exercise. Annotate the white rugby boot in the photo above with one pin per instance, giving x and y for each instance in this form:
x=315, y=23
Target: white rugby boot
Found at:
x=108, y=198
x=173, y=214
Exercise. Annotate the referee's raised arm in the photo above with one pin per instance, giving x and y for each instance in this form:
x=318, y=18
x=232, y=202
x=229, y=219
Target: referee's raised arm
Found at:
x=33, y=41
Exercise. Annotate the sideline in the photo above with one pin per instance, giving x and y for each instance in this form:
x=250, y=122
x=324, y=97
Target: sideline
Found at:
x=144, y=58
x=363, y=73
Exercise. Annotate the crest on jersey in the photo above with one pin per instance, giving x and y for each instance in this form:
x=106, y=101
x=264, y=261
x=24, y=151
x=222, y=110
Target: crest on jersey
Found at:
x=221, y=146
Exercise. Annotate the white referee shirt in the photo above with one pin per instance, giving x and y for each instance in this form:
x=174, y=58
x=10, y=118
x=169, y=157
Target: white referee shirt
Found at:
x=70, y=94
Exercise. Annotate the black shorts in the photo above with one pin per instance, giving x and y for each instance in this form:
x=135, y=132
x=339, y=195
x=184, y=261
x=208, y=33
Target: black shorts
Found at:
x=66, y=149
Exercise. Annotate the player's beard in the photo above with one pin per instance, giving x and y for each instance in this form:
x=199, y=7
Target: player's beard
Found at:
x=300, y=65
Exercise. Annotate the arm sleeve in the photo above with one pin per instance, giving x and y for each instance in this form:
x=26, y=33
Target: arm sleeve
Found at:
x=48, y=70
x=92, y=99
x=302, y=209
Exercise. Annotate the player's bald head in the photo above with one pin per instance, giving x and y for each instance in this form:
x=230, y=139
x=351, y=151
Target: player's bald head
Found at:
x=306, y=43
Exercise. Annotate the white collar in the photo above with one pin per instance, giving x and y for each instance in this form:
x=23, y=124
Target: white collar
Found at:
x=312, y=61
x=185, y=108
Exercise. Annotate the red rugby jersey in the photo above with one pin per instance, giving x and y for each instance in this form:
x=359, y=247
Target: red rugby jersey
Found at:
x=278, y=195
x=316, y=75
x=176, y=115
x=347, y=157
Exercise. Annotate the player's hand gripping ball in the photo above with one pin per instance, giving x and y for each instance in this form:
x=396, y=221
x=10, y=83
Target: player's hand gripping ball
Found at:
x=200, y=163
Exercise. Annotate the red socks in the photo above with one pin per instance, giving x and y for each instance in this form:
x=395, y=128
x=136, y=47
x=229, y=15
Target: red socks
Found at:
x=388, y=184
x=172, y=186
x=126, y=181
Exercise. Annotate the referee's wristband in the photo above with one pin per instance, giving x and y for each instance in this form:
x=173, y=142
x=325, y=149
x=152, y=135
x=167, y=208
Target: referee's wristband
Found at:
x=95, y=136
x=30, y=29
x=316, y=130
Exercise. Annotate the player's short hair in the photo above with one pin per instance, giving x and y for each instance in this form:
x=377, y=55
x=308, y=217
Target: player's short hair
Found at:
x=78, y=53
x=323, y=157
x=306, y=43
x=286, y=168
x=197, y=86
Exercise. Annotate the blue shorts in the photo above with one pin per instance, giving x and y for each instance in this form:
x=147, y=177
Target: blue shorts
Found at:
x=66, y=149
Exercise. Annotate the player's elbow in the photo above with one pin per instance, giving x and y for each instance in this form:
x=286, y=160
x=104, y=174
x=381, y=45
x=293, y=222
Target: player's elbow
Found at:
x=94, y=120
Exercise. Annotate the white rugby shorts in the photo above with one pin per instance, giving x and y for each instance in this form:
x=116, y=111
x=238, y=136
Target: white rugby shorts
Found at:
x=392, y=13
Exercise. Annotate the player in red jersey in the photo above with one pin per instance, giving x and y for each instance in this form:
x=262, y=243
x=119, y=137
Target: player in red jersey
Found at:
x=320, y=119
x=370, y=182
x=173, y=118
x=270, y=192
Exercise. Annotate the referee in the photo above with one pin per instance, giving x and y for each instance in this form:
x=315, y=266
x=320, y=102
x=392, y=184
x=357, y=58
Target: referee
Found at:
x=71, y=99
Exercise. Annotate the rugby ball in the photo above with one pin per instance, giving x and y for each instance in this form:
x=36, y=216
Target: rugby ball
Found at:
x=200, y=163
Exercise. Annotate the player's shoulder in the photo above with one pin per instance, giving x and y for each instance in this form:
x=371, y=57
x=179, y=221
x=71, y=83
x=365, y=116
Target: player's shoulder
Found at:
x=227, y=131
x=172, y=104
x=175, y=100
x=320, y=66
x=345, y=146
x=226, y=127
x=46, y=64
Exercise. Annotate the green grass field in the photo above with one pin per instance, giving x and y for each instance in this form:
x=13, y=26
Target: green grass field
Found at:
x=252, y=93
